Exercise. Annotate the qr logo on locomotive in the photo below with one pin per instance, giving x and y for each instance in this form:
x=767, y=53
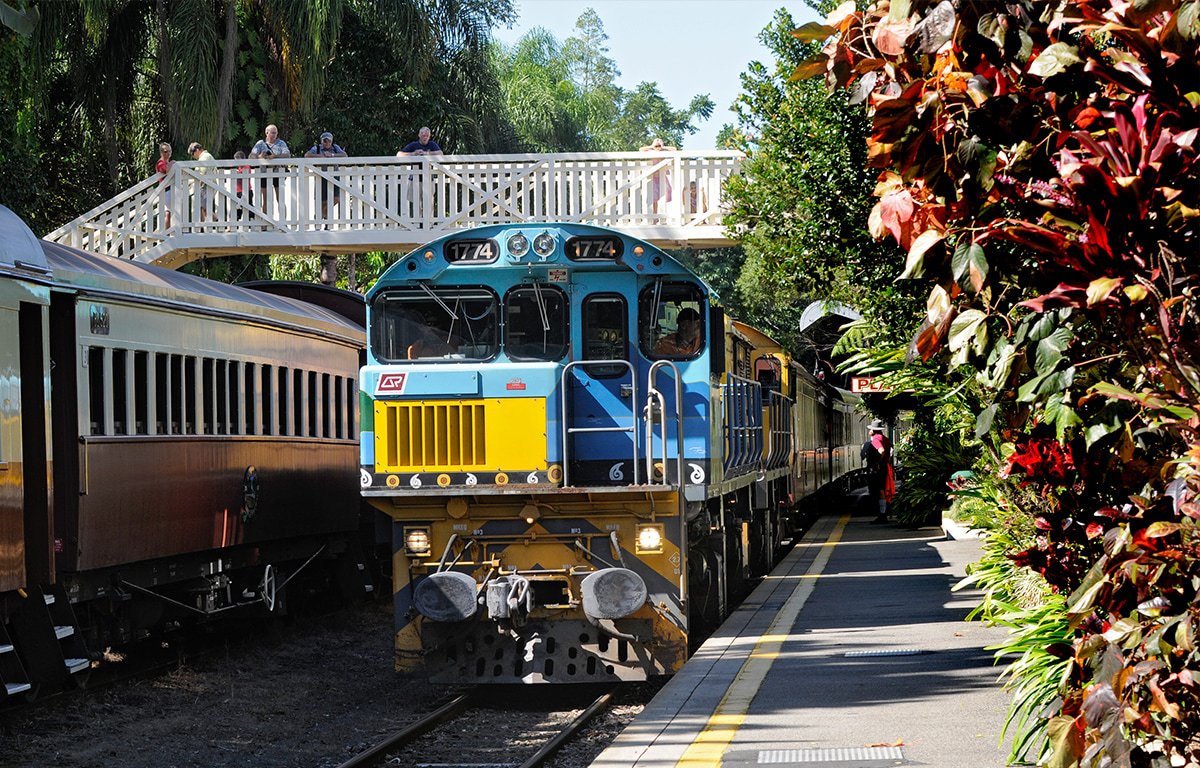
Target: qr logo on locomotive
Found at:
x=391, y=384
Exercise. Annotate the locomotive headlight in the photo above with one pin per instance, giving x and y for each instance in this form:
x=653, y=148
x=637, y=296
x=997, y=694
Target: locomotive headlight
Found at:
x=543, y=244
x=416, y=541
x=518, y=245
x=649, y=539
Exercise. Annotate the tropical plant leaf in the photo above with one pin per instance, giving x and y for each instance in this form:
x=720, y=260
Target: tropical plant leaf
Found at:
x=1057, y=57
x=813, y=32
x=969, y=265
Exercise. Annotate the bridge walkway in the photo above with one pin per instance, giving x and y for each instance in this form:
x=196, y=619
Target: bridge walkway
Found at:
x=360, y=204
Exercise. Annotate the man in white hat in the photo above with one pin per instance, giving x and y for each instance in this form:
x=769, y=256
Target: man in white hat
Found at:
x=881, y=480
x=326, y=148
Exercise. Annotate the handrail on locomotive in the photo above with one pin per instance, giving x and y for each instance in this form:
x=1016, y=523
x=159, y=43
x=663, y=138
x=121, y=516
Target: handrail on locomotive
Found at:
x=569, y=430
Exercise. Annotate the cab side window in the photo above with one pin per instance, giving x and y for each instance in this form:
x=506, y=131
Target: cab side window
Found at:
x=766, y=372
x=671, y=319
x=605, y=320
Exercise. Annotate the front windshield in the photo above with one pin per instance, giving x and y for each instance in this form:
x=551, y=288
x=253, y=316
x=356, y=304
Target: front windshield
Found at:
x=454, y=323
x=535, y=323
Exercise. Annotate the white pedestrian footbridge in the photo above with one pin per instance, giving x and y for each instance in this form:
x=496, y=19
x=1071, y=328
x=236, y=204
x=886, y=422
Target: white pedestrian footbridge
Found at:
x=223, y=207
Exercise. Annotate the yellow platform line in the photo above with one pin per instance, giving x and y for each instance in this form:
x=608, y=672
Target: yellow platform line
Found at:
x=718, y=733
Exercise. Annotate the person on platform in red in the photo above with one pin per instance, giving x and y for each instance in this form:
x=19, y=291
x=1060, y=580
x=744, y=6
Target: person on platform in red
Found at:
x=881, y=477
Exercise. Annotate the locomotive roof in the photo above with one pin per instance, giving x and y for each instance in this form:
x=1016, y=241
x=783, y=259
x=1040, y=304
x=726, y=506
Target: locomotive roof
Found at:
x=759, y=338
x=83, y=271
x=668, y=267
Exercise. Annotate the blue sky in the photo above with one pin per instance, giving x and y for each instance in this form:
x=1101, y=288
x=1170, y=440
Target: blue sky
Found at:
x=687, y=46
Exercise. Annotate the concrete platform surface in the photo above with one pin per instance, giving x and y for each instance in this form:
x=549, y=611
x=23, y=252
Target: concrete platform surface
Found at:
x=853, y=653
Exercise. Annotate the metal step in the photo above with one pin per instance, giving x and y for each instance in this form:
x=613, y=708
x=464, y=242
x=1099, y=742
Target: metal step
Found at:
x=66, y=630
x=75, y=666
x=6, y=649
x=49, y=598
x=14, y=688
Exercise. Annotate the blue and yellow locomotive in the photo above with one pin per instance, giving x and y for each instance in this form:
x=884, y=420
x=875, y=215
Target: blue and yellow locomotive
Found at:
x=583, y=456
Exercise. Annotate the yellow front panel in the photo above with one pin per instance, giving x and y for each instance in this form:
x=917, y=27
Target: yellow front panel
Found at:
x=493, y=434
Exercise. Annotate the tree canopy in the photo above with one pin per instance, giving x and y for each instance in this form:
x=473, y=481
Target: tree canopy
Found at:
x=98, y=85
x=563, y=96
x=800, y=206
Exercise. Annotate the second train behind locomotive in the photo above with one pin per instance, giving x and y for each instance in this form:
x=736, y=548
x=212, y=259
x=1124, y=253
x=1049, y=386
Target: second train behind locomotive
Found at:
x=584, y=457
x=171, y=450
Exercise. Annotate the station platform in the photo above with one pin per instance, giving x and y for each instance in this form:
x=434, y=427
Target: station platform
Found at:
x=853, y=653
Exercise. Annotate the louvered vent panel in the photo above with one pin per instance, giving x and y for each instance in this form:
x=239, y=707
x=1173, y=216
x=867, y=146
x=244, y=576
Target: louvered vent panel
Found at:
x=429, y=436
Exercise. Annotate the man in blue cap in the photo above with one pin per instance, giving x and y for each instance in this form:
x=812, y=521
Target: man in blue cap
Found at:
x=326, y=148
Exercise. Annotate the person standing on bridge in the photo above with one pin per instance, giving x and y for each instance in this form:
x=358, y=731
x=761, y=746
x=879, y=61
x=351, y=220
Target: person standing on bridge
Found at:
x=424, y=145
x=198, y=152
x=326, y=148
x=270, y=148
x=164, y=166
x=661, y=179
x=881, y=480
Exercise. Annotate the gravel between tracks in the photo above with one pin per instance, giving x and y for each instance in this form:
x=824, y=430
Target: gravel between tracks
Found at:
x=314, y=695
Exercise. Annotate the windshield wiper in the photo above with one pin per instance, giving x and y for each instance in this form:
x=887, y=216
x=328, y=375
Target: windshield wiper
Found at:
x=537, y=292
x=438, y=299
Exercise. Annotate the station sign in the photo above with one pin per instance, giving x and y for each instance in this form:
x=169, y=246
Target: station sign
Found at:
x=867, y=385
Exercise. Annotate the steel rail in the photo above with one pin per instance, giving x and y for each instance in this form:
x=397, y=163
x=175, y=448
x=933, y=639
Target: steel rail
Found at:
x=552, y=746
x=375, y=754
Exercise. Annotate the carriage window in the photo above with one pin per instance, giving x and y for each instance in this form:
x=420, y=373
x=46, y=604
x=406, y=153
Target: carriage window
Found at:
x=315, y=396
x=141, y=392
x=235, y=397
x=268, y=401
x=351, y=401
x=605, y=320
x=298, y=402
x=120, y=393
x=281, y=404
x=221, y=380
x=189, y=379
x=95, y=361
x=176, y=384
x=671, y=320
x=251, y=391
x=162, y=394
x=535, y=323
x=453, y=323
x=339, y=425
x=209, y=395
x=326, y=430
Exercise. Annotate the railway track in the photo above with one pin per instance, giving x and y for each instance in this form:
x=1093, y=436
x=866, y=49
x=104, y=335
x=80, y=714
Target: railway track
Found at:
x=489, y=728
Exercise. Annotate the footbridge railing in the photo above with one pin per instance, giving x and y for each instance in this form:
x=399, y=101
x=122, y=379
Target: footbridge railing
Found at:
x=357, y=204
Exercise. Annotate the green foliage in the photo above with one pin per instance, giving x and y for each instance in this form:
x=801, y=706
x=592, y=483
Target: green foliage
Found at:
x=99, y=84
x=1040, y=173
x=1040, y=634
x=19, y=184
x=231, y=269
x=800, y=205
x=562, y=97
x=367, y=269
x=926, y=456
